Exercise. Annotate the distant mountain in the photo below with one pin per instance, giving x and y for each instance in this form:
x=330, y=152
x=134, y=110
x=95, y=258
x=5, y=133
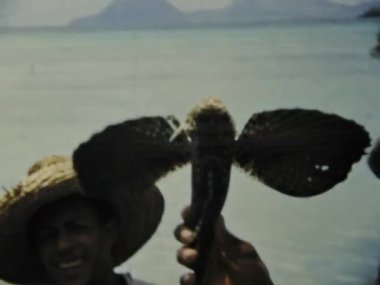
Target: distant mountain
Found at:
x=262, y=10
x=292, y=9
x=121, y=14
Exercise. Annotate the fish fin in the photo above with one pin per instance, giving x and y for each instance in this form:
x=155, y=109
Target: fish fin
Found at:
x=300, y=152
x=374, y=159
x=135, y=151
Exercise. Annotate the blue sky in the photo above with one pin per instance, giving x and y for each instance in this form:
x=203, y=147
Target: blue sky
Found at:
x=60, y=12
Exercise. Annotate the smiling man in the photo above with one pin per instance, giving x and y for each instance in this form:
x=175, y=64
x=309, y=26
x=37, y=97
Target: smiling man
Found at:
x=51, y=232
x=73, y=238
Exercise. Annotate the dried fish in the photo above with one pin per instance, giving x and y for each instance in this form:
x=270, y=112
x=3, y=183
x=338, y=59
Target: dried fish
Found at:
x=297, y=152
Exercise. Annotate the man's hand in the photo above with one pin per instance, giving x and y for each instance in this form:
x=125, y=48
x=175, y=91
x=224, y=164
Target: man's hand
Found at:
x=232, y=261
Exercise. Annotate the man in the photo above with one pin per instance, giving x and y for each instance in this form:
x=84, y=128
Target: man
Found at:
x=73, y=238
x=53, y=232
x=374, y=165
x=232, y=261
x=44, y=238
x=374, y=159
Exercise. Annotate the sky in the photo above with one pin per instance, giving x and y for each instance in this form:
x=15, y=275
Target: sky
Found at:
x=61, y=12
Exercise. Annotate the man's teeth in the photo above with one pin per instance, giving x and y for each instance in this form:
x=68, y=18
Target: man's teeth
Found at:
x=67, y=265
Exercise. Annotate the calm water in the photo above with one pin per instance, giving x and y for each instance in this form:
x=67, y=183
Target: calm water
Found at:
x=58, y=88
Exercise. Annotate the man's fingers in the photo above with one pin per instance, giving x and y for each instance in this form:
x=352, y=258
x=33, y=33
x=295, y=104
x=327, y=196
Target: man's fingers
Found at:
x=184, y=235
x=185, y=212
x=188, y=215
x=187, y=256
x=188, y=279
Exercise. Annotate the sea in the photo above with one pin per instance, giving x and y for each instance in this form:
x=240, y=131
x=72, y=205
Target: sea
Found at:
x=57, y=88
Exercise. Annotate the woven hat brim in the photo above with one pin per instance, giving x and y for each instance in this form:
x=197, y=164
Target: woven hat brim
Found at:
x=140, y=212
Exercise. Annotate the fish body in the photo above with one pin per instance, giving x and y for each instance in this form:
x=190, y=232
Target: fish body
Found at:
x=212, y=138
x=212, y=134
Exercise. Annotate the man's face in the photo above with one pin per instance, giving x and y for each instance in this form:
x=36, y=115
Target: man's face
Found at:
x=73, y=243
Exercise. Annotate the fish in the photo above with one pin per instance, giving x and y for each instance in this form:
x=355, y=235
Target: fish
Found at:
x=298, y=152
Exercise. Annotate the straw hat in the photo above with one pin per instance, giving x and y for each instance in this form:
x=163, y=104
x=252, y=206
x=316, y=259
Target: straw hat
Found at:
x=53, y=178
